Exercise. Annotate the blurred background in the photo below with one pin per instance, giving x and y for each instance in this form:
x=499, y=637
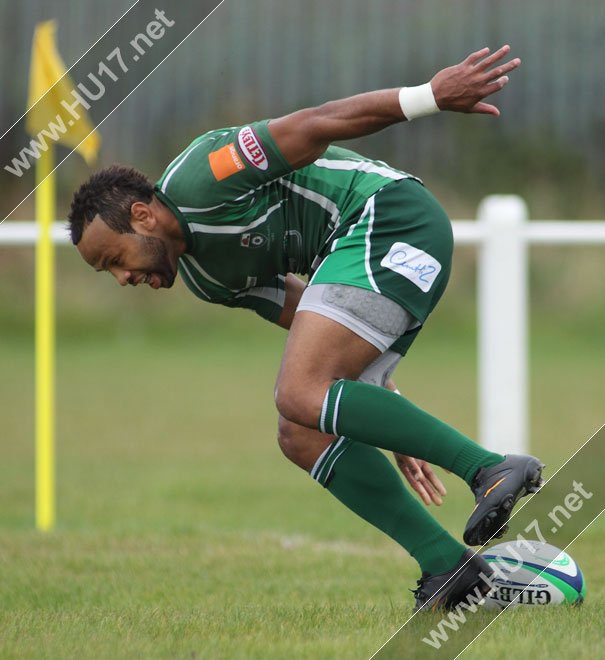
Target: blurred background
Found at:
x=265, y=58
x=165, y=420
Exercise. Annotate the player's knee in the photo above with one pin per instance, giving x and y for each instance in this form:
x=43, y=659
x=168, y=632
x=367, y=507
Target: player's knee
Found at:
x=300, y=445
x=299, y=402
x=288, y=441
x=288, y=405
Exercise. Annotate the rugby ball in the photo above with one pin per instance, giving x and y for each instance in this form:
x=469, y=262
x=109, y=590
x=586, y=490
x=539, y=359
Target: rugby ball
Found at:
x=533, y=573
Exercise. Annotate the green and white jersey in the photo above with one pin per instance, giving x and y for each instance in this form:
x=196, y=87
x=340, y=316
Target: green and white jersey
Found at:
x=249, y=219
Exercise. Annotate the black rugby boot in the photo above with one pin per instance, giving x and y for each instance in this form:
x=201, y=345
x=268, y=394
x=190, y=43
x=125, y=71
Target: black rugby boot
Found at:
x=469, y=577
x=497, y=489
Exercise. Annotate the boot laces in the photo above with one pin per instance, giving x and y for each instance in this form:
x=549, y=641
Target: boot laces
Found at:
x=419, y=592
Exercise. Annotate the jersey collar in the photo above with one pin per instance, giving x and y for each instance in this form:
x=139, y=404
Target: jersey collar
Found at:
x=178, y=215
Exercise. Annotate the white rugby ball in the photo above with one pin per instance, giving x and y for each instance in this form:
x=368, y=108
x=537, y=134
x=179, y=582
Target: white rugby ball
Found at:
x=533, y=573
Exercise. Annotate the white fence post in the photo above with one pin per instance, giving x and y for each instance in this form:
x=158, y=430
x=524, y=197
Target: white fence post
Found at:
x=502, y=304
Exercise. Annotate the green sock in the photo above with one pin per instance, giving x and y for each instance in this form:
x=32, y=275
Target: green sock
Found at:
x=378, y=417
x=364, y=480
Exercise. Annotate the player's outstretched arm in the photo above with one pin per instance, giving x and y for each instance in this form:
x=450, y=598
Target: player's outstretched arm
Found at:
x=304, y=135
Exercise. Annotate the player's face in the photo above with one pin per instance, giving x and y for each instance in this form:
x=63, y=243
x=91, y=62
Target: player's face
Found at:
x=130, y=258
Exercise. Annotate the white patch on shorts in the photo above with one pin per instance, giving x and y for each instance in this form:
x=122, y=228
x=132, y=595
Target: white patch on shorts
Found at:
x=414, y=264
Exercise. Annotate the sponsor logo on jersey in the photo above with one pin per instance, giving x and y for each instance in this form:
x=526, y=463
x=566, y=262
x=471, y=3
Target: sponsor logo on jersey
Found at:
x=225, y=161
x=414, y=264
x=252, y=149
x=252, y=240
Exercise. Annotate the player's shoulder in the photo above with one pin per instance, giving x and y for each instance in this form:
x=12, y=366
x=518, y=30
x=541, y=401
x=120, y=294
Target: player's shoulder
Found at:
x=198, y=148
x=209, y=139
x=213, y=139
x=190, y=173
x=222, y=167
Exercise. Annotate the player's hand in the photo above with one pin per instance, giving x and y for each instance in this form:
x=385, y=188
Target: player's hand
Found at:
x=462, y=87
x=422, y=479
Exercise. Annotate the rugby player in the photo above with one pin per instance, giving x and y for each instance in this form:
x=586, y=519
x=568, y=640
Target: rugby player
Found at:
x=241, y=211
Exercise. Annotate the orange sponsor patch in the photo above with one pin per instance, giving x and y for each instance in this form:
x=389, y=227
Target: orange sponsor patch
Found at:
x=225, y=161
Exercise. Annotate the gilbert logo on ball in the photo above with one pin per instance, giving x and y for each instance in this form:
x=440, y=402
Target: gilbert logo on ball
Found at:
x=533, y=573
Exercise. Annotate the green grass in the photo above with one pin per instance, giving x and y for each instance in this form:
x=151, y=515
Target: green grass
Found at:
x=183, y=533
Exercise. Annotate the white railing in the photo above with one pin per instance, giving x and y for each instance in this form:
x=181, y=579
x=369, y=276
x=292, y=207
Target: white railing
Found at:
x=503, y=234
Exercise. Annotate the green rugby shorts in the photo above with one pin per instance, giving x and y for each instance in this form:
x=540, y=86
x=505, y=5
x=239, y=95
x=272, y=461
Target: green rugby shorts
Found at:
x=399, y=246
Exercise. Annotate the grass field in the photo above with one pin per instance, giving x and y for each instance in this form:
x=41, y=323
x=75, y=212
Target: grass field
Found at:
x=183, y=533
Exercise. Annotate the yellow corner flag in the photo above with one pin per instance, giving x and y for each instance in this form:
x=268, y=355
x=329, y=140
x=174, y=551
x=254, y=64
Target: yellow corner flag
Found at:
x=46, y=69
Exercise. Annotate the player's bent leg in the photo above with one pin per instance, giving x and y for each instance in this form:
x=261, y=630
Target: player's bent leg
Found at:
x=322, y=358
x=337, y=332
x=364, y=480
x=310, y=449
x=316, y=387
x=307, y=447
x=319, y=351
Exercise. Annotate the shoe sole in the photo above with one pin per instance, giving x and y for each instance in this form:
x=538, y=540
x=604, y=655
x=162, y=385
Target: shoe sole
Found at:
x=493, y=524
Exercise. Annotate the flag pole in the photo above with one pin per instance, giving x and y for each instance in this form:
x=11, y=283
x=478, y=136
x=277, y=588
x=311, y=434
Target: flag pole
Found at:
x=45, y=340
x=49, y=85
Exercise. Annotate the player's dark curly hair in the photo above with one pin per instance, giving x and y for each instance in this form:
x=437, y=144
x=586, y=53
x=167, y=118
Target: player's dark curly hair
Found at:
x=109, y=193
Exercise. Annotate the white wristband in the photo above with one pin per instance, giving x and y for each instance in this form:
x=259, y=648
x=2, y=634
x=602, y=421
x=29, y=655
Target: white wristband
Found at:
x=417, y=101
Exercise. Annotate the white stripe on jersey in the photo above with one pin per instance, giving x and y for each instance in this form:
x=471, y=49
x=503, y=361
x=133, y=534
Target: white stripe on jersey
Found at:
x=362, y=166
x=195, y=284
x=229, y=229
x=313, y=196
x=190, y=209
x=178, y=164
x=204, y=274
x=367, y=256
x=275, y=295
x=352, y=227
